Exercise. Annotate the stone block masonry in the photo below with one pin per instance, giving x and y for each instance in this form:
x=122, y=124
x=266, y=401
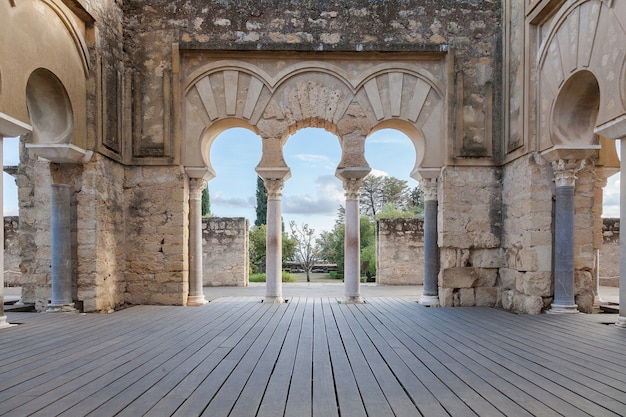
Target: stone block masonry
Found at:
x=400, y=252
x=225, y=259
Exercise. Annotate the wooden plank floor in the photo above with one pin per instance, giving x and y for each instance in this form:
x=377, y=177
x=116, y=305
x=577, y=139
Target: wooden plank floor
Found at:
x=312, y=357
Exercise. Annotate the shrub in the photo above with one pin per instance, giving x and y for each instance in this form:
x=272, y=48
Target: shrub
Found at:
x=336, y=274
x=260, y=277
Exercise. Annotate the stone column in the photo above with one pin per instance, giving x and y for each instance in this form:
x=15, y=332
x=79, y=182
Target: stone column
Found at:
x=430, y=296
x=565, y=178
x=621, y=319
x=196, y=294
x=352, y=246
x=60, y=250
x=274, y=242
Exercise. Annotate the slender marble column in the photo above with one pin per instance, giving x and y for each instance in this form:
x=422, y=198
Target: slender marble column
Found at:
x=61, y=259
x=274, y=242
x=621, y=319
x=565, y=178
x=196, y=294
x=352, y=246
x=430, y=296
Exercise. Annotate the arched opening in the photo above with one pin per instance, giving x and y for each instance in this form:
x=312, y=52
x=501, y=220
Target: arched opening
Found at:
x=392, y=201
x=312, y=198
x=49, y=108
x=234, y=154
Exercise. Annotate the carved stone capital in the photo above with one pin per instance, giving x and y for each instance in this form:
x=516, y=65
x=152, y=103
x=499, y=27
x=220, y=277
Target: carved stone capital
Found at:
x=196, y=185
x=565, y=171
x=352, y=187
x=429, y=186
x=274, y=187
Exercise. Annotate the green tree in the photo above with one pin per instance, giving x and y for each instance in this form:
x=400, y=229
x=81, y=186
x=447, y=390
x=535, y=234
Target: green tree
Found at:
x=206, y=202
x=261, y=202
x=257, y=246
x=377, y=192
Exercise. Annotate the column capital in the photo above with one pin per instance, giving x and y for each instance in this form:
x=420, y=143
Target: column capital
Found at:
x=430, y=187
x=196, y=186
x=274, y=187
x=352, y=188
x=565, y=171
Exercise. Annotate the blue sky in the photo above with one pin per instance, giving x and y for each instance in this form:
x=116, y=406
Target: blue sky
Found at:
x=313, y=194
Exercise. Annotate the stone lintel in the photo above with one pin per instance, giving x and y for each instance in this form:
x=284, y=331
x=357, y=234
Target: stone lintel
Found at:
x=569, y=152
x=60, y=153
x=274, y=173
x=11, y=127
x=200, y=173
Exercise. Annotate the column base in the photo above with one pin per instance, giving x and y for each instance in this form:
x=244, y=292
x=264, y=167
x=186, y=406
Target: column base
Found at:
x=621, y=322
x=352, y=299
x=563, y=309
x=196, y=300
x=273, y=299
x=61, y=308
x=4, y=323
x=429, y=300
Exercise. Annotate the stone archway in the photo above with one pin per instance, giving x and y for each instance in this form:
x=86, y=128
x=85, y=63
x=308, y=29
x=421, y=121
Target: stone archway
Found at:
x=348, y=95
x=579, y=67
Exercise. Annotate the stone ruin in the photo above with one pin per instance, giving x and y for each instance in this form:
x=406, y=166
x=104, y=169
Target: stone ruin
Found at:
x=512, y=106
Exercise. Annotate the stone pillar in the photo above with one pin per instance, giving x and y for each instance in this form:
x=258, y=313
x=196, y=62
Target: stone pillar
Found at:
x=565, y=178
x=196, y=294
x=352, y=246
x=621, y=319
x=274, y=242
x=60, y=250
x=430, y=296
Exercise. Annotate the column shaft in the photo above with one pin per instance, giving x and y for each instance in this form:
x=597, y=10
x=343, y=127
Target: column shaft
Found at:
x=352, y=244
x=564, y=250
x=430, y=295
x=621, y=320
x=196, y=291
x=61, y=259
x=274, y=243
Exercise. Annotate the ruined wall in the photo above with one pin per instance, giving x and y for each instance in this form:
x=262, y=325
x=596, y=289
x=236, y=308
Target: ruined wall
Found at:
x=157, y=223
x=12, y=274
x=101, y=250
x=470, y=226
x=225, y=255
x=526, y=280
x=609, y=254
x=400, y=252
x=468, y=31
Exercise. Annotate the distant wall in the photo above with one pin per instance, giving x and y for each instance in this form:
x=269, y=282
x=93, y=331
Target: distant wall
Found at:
x=12, y=273
x=400, y=252
x=609, y=254
x=225, y=256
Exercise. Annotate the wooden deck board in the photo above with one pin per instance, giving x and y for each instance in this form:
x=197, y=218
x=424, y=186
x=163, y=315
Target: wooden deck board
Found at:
x=311, y=357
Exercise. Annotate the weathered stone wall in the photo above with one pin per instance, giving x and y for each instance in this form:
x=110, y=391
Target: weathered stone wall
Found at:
x=101, y=244
x=609, y=254
x=225, y=255
x=12, y=274
x=400, y=252
x=470, y=226
x=157, y=224
x=468, y=31
x=525, y=281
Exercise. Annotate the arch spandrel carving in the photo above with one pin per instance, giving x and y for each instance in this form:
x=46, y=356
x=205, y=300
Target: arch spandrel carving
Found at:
x=586, y=36
x=345, y=98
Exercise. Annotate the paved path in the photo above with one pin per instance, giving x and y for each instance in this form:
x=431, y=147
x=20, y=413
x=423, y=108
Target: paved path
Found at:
x=312, y=356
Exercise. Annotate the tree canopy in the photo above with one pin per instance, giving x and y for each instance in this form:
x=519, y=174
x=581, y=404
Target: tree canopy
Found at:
x=261, y=202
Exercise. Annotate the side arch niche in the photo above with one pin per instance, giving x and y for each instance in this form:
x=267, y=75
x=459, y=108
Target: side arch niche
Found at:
x=49, y=108
x=586, y=40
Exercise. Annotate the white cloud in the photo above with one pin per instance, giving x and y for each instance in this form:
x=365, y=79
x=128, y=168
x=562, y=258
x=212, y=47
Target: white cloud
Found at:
x=328, y=196
x=218, y=199
x=316, y=160
x=378, y=173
